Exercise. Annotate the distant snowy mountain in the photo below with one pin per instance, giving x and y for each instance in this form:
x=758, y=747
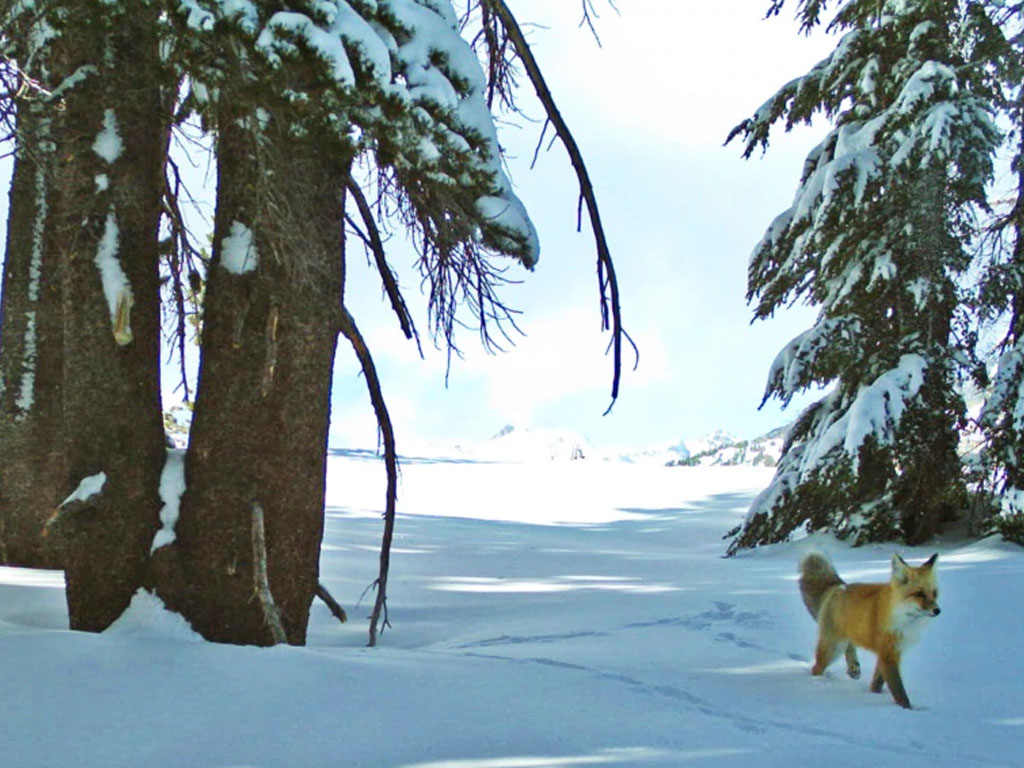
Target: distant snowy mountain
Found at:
x=520, y=444
x=718, y=448
x=710, y=443
x=722, y=449
x=669, y=456
x=525, y=444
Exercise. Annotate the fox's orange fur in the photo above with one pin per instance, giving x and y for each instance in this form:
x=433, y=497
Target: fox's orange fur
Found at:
x=884, y=618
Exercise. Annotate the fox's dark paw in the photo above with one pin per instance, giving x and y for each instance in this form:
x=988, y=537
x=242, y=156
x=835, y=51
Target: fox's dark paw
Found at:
x=853, y=670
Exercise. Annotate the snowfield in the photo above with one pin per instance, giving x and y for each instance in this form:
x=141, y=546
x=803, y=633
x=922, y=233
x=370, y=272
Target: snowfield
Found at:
x=548, y=613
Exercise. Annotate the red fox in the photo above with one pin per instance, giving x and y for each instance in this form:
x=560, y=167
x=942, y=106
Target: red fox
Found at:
x=883, y=618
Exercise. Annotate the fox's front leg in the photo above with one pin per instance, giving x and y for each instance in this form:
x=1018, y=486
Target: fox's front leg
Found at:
x=852, y=663
x=889, y=666
x=878, y=678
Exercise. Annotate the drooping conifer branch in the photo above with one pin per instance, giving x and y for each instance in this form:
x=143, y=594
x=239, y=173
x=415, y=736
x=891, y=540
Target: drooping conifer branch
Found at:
x=370, y=235
x=351, y=332
x=501, y=81
x=611, y=311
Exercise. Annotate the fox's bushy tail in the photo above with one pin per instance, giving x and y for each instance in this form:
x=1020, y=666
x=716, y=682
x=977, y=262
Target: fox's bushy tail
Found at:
x=817, y=576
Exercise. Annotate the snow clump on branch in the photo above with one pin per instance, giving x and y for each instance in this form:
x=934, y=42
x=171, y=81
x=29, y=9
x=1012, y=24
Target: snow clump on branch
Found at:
x=402, y=84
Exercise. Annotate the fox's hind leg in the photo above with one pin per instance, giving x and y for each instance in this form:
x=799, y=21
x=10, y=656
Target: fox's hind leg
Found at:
x=825, y=653
x=852, y=664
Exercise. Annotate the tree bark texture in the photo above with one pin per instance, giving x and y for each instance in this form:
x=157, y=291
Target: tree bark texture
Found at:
x=109, y=202
x=930, y=483
x=32, y=477
x=259, y=432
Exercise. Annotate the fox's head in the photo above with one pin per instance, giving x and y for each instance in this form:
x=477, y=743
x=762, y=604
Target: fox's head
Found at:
x=917, y=585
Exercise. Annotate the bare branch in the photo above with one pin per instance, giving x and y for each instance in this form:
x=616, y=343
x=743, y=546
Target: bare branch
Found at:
x=28, y=86
x=375, y=244
x=540, y=143
x=183, y=261
x=351, y=332
x=611, y=315
x=8, y=91
x=457, y=273
x=333, y=606
x=590, y=13
x=497, y=56
x=271, y=613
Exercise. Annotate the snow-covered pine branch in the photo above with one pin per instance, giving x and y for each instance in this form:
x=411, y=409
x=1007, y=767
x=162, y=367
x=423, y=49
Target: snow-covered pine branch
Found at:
x=876, y=237
x=1000, y=296
x=399, y=89
x=815, y=357
x=397, y=81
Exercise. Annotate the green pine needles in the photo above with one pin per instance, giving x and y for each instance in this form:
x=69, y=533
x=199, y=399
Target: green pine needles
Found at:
x=884, y=238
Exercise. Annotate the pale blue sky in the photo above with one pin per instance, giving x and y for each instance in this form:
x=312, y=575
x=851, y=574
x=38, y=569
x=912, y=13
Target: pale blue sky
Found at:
x=650, y=110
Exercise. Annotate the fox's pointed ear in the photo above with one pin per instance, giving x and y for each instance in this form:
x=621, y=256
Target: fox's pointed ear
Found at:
x=900, y=569
x=930, y=562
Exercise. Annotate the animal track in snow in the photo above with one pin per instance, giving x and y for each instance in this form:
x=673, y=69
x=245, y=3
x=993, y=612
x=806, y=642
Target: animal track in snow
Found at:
x=529, y=639
x=722, y=613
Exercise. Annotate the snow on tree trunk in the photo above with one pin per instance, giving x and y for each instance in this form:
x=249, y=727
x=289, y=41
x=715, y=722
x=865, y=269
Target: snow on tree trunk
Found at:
x=259, y=433
x=31, y=343
x=295, y=94
x=107, y=207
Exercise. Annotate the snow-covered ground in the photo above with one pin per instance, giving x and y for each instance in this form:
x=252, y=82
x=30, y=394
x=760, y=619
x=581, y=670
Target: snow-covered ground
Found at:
x=544, y=614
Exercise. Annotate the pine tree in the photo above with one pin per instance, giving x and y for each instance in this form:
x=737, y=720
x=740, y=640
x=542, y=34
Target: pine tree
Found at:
x=106, y=215
x=32, y=480
x=877, y=239
x=1001, y=293
x=89, y=423
x=294, y=95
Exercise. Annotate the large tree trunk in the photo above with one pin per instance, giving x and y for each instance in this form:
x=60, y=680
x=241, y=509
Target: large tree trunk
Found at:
x=929, y=487
x=108, y=211
x=259, y=433
x=32, y=476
